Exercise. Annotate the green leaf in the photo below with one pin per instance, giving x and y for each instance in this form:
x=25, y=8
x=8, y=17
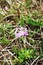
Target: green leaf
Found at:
x=32, y=22
x=5, y=41
x=2, y=12
x=41, y=23
x=22, y=21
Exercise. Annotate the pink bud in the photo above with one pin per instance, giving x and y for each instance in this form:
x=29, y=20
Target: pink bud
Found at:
x=6, y=8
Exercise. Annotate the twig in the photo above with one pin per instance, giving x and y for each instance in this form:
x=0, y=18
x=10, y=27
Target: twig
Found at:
x=35, y=60
x=10, y=52
x=30, y=45
x=7, y=16
x=34, y=32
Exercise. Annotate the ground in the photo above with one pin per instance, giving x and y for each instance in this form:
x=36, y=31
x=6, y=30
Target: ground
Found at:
x=21, y=32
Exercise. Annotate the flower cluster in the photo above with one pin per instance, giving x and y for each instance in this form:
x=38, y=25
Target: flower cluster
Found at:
x=20, y=31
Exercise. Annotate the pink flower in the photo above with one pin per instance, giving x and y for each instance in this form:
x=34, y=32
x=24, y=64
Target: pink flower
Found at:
x=21, y=32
